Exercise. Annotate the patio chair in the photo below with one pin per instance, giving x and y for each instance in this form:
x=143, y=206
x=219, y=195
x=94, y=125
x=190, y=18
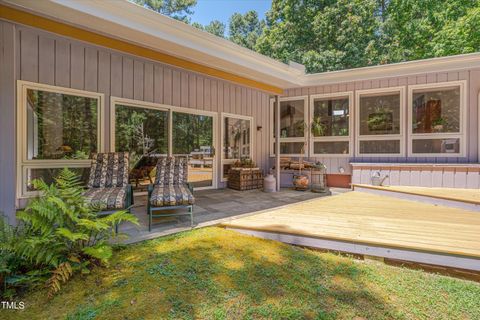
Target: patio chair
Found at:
x=108, y=187
x=171, y=190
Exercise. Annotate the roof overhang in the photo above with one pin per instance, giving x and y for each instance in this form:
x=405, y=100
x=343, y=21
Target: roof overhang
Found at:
x=127, y=27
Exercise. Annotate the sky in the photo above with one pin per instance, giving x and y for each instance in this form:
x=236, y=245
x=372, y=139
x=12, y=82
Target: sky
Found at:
x=208, y=10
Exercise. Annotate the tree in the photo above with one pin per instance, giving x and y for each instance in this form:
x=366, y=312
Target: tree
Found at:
x=459, y=36
x=414, y=28
x=323, y=35
x=245, y=29
x=215, y=27
x=177, y=9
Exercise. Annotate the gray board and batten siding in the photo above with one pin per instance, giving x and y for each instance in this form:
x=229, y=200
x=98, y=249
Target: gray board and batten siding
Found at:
x=34, y=55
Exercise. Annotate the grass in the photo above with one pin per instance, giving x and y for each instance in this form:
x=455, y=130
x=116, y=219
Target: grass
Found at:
x=214, y=273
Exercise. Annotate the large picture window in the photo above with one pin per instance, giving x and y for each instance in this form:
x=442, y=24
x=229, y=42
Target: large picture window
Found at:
x=293, y=126
x=58, y=127
x=237, y=140
x=437, y=119
x=380, y=114
x=330, y=117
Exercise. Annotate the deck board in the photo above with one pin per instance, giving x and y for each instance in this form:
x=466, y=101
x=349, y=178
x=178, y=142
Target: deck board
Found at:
x=377, y=220
x=454, y=194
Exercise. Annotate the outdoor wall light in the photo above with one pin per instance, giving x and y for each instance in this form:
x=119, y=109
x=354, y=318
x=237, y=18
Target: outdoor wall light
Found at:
x=259, y=128
x=341, y=169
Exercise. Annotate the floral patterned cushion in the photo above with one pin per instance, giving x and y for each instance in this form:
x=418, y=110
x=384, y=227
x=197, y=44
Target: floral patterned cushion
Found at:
x=109, y=170
x=171, y=171
x=171, y=195
x=106, y=198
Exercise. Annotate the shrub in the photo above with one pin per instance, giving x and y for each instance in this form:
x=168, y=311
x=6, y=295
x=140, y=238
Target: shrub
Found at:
x=58, y=235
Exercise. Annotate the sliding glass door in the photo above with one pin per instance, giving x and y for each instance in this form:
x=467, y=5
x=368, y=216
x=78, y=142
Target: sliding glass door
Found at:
x=149, y=130
x=193, y=136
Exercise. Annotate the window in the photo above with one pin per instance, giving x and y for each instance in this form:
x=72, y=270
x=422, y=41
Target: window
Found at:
x=293, y=126
x=437, y=123
x=330, y=124
x=380, y=122
x=58, y=127
x=236, y=140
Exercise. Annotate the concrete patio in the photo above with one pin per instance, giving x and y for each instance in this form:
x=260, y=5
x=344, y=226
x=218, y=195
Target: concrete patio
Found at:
x=212, y=207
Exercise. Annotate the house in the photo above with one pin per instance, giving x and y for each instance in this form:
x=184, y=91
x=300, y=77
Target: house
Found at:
x=84, y=76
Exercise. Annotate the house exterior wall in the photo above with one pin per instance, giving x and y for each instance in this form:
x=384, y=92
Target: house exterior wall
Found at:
x=34, y=55
x=473, y=88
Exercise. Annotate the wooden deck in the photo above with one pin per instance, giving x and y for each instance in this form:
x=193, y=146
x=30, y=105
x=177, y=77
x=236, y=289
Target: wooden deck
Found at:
x=374, y=220
x=453, y=194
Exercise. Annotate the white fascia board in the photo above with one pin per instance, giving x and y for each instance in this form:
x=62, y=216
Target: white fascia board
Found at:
x=133, y=23
x=442, y=64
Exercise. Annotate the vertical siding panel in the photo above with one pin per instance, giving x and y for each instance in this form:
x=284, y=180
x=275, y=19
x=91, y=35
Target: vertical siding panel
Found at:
x=249, y=102
x=402, y=81
x=452, y=76
x=220, y=98
x=232, y=99
x=138, y=76
x=384, y=83
x=442, y=77
x=431, y=78
x=214, y=97
x=244, y=107
x=200, y=93
x=62, y=63
x=77, y=65
x=375, y=83
x=421, y=79
x=127, y=78
x=158, y=84
x=393, y=82
x=28, y=56
x=460, y=179
x=148, y=82
x=226, y=97
x=176, y=88
x=473, y=179
x=184, y=89
x=91, y=69
x=167, y=86
x=192, y=91
x=207, y=94
x=437, y=178
x=46, y=57
x=116, y=71
x=104, y=72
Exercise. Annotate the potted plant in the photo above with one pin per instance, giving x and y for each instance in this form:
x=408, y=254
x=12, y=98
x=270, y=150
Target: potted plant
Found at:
x=438, y=124
x=381, y=119
x=317, y=127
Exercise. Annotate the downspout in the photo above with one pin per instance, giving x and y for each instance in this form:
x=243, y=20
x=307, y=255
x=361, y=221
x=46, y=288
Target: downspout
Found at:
x=277, y=141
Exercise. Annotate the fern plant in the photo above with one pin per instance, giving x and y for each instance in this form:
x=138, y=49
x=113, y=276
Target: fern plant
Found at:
x=59, y=234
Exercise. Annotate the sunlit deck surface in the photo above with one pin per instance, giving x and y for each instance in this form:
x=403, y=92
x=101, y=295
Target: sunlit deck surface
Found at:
x=373, y=220
x=454, y=194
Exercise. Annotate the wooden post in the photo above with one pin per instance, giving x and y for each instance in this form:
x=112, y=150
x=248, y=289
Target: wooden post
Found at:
x=277, y=141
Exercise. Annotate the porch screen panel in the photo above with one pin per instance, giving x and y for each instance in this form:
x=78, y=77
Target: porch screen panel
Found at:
x=192, y=136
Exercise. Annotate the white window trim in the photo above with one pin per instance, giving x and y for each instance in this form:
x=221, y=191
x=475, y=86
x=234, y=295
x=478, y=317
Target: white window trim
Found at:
x=22, y=162
x=303, y=139
x=222, y=132
x=349, y=138
x=400, y=137
x=462, y=134
x=170, y=109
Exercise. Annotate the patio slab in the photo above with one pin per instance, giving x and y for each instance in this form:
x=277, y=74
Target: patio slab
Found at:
x=212, y=207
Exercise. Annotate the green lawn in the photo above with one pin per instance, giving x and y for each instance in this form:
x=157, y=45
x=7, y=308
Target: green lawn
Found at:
x=213, y=273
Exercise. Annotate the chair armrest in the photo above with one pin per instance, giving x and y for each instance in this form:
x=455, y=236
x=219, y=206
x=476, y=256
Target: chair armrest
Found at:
x=190, y=186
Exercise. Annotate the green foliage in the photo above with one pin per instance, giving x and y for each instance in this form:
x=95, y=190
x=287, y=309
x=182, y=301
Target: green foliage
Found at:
x=245, y=29
x=339, y=34
x=58, y=235
x=177, y=9
x=215, y=27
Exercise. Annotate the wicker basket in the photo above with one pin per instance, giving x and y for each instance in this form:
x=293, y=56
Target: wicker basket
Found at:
x=245, y=178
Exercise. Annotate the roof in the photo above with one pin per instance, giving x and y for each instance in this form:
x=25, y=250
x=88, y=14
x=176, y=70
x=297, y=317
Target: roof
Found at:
x=131, y=23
